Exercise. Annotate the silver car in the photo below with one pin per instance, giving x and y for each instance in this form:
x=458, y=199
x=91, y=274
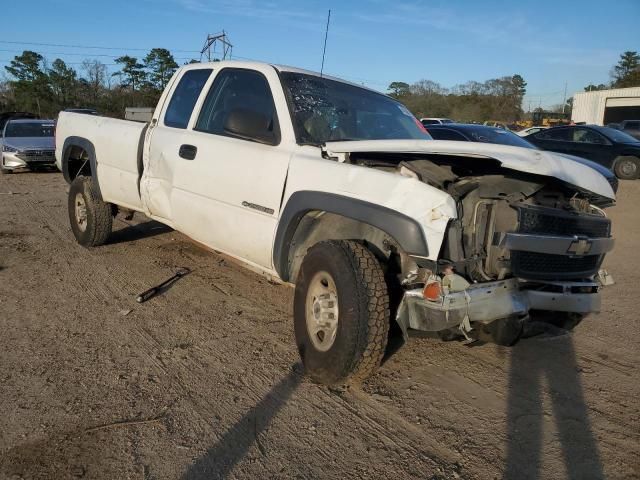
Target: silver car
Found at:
x=27, y=144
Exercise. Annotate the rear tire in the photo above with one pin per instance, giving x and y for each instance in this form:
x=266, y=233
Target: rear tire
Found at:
x=341, y=312
x=90, y=217
x=627, y=168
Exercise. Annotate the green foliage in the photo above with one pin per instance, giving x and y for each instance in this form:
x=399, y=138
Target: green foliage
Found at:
x=495, y=99
x=593, y=88
x=132, y=71
x=161, y=66
x=36, y=88
x=398, y=89
x=31, y=88
x=27, y=67
x=627, y=72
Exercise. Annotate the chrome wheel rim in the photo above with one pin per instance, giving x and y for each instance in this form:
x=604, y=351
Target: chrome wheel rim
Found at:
x=322, y=311
x=628, y=167
x=81, y=212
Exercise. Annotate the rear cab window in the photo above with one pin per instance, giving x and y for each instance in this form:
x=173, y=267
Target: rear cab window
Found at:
x=185, y=96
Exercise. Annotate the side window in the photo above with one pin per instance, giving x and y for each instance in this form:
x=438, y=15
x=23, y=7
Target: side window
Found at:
x=240, y=105
x=446, y=134
x=185, y=97
x=584, y=135
x=559, y=134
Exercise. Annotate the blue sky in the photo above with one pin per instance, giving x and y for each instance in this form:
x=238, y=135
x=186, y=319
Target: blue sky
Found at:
x=370, y=41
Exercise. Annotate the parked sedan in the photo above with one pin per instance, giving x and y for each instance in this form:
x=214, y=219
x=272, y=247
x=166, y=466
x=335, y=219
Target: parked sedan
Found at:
x=27, y=144
x=609, y=147
x=481, y=133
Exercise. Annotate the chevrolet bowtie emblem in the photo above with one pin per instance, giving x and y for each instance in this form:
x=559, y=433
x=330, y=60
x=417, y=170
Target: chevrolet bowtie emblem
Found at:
x=579, y=247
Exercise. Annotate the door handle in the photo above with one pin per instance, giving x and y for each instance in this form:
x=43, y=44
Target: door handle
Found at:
x=188, y=152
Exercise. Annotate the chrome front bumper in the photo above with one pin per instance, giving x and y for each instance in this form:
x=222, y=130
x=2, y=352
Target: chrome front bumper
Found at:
x=28, y=159
x=487, y=302
x=10, y=161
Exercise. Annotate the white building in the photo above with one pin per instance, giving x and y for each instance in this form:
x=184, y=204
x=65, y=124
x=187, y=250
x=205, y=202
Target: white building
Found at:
x=606, y=106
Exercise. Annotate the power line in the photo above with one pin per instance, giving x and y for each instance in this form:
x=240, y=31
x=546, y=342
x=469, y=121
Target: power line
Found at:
x=76, y=54
x=68, y=63
x=86, y=46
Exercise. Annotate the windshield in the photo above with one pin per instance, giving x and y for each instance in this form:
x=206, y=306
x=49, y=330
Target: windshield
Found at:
x=29, y=129
x=497, y=135
x=617, y=135
x=325, y=110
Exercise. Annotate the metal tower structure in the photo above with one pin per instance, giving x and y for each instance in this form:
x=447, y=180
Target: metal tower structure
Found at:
x=210, y=46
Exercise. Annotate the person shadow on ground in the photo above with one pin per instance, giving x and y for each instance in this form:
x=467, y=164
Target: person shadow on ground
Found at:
x=550, y=361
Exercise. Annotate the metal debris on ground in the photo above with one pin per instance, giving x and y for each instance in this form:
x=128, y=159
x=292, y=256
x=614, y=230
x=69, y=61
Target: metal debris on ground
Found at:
x=153, y=291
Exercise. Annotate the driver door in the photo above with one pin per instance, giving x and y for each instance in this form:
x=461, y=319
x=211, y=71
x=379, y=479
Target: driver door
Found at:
x=227, y=189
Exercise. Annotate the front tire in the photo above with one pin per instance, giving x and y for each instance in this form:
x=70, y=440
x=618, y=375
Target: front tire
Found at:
x=341, y=312
x=627, y=168
x=90, y=217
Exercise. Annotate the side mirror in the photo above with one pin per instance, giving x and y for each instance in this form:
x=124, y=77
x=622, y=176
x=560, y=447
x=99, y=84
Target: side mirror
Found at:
x=250, y=125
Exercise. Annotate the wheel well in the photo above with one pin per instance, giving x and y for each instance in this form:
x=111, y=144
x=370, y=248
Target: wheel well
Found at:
x=77, y=162
x=318, y=226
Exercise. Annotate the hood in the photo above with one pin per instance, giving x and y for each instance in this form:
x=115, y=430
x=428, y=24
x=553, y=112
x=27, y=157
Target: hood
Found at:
x=30, y=143
x=590, y=163
x=538, y=162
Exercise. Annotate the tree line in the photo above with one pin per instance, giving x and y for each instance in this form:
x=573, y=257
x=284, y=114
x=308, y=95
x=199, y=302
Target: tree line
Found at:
x=37, y=86
x=494, y=99
x=497, y=99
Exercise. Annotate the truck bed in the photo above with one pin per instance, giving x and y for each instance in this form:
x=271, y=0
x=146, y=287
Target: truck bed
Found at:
x=117, y=146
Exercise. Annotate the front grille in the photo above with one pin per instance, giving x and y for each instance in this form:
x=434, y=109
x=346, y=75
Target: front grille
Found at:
x=551, y=221
x=554, y=222
x=37, y=155
x=538, y=266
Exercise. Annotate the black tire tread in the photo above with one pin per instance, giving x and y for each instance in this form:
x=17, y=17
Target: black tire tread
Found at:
x=374, y=298
x=100, y=228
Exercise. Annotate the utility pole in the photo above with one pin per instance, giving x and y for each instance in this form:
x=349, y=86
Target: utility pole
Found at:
x=212, y=41
x=564, y=98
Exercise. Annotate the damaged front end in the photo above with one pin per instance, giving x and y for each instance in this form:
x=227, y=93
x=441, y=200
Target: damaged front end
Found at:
x=521, y=243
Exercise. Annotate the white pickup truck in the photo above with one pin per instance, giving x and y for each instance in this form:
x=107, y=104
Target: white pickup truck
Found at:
x=340, y=191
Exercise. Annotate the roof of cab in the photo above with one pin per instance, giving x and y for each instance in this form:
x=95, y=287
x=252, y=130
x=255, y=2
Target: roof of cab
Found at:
x=280, y=68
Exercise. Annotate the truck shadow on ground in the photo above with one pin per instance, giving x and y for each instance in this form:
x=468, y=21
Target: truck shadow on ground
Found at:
x=131, y=233
x=233, y=445
x=534, y=363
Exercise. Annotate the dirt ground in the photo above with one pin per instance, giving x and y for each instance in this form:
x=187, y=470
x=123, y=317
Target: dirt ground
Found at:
x=203, y=381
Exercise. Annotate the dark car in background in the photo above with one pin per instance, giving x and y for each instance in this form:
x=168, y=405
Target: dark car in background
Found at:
x=632, y=127
x=480, y=133
x=611, y=148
